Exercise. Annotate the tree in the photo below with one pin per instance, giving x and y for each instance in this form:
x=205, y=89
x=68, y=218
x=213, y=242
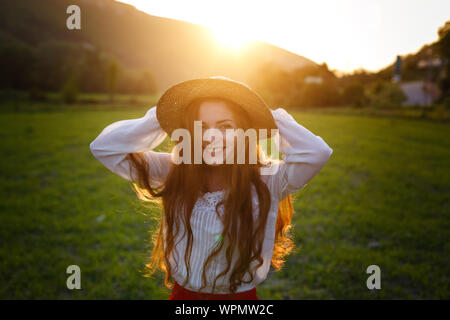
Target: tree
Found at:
x=111, y=81
x=94, y=71
x=444, y=49
x=147, y=83
x=56, y=62
x=272, y=83
x=385, y=94
x=17, y=65
x=315, y=95
x=69, y=90
x=354, y=95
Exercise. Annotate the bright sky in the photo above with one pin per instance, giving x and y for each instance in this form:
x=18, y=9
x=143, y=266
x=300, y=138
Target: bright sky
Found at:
x=346, y=34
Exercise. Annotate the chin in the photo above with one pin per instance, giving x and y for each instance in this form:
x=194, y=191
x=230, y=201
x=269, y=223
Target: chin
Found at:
x=214, y=164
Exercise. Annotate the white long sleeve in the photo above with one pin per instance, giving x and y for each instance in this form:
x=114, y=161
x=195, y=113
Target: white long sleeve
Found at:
x=303, y=155
x=133, y=136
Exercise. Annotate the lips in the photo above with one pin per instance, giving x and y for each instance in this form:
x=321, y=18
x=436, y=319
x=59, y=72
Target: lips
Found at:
x=213, y=152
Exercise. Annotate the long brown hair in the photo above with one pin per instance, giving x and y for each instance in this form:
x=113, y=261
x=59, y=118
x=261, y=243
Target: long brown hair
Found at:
x=186, y=182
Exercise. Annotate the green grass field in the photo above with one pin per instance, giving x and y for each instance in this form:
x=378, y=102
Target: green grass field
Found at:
x=383, y=199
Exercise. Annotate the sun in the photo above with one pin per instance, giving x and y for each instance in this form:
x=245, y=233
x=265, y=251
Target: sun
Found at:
x=230, y=38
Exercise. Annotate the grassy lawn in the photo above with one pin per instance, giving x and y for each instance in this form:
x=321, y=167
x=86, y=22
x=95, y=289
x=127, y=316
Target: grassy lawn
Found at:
x=383, y=199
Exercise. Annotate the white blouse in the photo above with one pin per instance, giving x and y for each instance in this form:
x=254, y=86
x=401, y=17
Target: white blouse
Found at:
x=303, y=156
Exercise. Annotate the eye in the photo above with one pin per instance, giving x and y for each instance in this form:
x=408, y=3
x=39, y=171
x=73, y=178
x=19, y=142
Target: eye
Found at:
x=226, y=126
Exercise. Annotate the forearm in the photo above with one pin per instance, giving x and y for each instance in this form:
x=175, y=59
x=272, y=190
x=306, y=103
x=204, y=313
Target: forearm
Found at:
x=130, y=136
x=127, y=136
x=304, y=154
x=298, y=144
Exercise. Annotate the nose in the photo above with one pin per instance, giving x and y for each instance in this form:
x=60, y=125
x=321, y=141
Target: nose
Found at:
x=206, y=142
x=212, y=140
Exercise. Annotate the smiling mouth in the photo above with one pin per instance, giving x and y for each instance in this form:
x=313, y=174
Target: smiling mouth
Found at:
x=214, y=150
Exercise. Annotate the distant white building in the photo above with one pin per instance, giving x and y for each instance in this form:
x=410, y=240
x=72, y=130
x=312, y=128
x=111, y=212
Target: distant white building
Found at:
x=419, y=93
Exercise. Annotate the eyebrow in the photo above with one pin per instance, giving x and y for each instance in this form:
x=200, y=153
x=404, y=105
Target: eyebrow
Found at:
x=224, y=120
x=220, y=121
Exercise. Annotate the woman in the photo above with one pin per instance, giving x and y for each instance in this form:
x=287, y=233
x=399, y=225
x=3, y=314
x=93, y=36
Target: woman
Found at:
x=223, y=222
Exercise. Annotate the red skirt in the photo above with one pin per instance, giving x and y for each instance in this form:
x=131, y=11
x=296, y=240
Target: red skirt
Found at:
x=181, y=293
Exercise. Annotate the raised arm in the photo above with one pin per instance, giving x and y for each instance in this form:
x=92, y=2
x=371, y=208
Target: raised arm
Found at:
x=133, y=136
x=303, y=155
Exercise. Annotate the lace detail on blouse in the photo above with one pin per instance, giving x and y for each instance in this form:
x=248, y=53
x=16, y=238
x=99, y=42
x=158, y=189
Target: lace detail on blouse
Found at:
x=209, y=199
x=207, y=229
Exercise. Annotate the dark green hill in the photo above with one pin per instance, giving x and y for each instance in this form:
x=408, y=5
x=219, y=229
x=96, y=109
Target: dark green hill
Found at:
x=173, y=50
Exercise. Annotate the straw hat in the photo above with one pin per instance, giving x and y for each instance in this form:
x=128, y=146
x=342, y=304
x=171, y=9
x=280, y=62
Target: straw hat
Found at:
x=170, y=107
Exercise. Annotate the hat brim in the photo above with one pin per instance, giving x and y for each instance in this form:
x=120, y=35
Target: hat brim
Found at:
x=174, y=100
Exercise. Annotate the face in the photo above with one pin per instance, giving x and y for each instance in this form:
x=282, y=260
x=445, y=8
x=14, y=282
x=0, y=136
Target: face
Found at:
x=215, y=114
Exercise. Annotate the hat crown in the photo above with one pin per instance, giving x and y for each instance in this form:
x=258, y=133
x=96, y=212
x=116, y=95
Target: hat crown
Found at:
x=171, y=105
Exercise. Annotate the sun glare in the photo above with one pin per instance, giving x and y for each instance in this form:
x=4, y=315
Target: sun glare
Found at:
x=346, y=34
x=232, y=39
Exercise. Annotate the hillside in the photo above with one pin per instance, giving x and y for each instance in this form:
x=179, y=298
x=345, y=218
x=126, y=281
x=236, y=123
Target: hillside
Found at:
x=412, y=64
x=173, y=50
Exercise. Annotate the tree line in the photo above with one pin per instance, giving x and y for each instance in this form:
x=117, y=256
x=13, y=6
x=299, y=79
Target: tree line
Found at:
x=68, y=68
x=317, y=86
